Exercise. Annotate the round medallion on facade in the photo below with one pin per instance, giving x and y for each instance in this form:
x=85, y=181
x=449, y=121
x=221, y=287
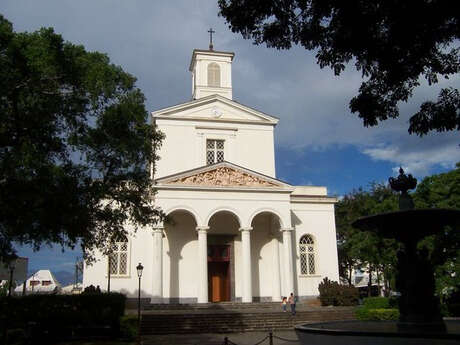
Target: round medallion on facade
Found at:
x=216, y=112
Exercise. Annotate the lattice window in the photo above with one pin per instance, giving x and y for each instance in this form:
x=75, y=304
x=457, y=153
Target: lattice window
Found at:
x=213, y=75
x=118, y=263
x=307, y=255
x=214, y=151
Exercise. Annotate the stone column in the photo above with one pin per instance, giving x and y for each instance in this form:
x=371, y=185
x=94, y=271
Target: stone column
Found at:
x=247, y=272
x=288, y=265
x=157, y=269
x=276, y=291
x=202, y=264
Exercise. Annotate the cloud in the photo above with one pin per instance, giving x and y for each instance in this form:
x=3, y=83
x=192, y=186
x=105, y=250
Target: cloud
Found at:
x=419, y=155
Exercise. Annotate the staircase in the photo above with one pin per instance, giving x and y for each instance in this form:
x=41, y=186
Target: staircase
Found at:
x=232, y=317
x=213, y=306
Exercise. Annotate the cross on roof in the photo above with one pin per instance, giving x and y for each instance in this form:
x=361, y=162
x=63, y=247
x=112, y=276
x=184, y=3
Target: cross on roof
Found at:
x=211, y=31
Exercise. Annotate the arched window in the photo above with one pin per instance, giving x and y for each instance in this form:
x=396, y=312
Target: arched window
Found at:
x=118, y=259
x=213, y=74
x=307, y=255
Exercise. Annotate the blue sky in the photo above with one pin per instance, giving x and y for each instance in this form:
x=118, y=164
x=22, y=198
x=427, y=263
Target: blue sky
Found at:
x=318, y=140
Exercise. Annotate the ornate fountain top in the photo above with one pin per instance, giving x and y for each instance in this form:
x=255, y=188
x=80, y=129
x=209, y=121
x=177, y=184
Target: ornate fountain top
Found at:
x=402, y=184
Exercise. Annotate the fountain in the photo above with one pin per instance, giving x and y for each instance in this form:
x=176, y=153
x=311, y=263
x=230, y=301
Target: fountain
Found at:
x=420, y=320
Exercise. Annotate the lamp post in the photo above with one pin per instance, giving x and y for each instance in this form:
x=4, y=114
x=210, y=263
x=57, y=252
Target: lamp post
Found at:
x=12, y=266
x=108, y=273
x=139, y=269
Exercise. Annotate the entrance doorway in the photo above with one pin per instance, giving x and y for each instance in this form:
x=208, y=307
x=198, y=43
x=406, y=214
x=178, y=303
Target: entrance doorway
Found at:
x=219, y=273
x=218, y=281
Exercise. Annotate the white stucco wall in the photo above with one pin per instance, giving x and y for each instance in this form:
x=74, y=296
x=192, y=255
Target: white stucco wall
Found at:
x=199, y=68
x=140, y=247
x=317, y=220
x=184, y=147
x=180, y=258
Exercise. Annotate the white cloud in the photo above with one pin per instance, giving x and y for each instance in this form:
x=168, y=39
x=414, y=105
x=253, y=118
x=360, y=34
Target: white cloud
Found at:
x=418, y=155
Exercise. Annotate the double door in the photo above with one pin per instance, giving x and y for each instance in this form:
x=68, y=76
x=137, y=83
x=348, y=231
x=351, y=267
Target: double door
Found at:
x=219, y=273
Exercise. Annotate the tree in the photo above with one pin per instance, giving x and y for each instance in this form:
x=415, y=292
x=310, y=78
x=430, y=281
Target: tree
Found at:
x=75, y=146
x=357, y=248
x=361, y=249
x=443, y=191
x=393, y=44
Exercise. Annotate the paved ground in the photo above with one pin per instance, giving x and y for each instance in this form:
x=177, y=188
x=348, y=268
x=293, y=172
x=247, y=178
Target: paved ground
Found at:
x=248, y=338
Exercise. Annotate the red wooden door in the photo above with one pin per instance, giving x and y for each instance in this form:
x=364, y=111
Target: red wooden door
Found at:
x=218, y=281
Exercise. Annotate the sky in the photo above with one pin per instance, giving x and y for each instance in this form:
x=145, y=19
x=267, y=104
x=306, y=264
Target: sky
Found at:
x=317, y=141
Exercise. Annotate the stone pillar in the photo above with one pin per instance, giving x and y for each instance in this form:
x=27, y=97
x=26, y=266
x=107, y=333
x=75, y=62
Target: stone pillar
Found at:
x=157, y=269
x=288, y=265
x=247, y=267
x=202, y=264
x=276, y=291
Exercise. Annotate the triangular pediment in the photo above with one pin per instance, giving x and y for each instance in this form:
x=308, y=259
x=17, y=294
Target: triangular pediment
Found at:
x=215, y=108
x=222, y=174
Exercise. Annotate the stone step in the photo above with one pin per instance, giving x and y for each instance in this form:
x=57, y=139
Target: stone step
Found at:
x=212, y=306
x=309, y=303
x=236, y=322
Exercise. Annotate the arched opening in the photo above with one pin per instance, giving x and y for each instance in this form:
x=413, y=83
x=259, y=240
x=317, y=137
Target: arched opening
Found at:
x=222, y=237
x=180, y=248
x=213, y=75
x=265, y=256
x=307, y=252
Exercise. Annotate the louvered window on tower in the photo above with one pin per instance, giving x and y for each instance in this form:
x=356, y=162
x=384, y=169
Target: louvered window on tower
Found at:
x=213, y=75
x=307, y=255
x=214, y=151
x=118, y=263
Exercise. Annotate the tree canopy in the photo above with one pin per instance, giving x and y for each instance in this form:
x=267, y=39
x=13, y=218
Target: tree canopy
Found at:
x=75, y=145
x=365, y=249
x=393, y=43
x=443, y=191
x=361, y=249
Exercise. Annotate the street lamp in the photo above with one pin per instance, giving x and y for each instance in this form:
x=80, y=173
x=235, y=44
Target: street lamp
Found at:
x=139, y=269
x=108, y=273
x=12, y=266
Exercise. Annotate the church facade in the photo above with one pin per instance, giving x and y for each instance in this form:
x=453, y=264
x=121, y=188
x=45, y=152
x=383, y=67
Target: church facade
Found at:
x=234, y=231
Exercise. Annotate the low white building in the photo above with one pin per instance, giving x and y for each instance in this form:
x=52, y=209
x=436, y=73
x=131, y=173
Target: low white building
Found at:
x=42, y=281
x=72, y=289
x=236, y=232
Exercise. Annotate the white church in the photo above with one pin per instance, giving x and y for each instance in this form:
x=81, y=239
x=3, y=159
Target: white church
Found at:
x=234, y=232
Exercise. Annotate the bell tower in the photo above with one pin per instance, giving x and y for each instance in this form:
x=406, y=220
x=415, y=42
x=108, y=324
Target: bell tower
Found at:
x=211, y=72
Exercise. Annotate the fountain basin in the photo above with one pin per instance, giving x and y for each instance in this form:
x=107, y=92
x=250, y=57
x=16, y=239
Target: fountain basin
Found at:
x=374, y=333
x=409, y=224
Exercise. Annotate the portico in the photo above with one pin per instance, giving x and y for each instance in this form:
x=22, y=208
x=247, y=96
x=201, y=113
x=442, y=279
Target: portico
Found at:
x=248, y=224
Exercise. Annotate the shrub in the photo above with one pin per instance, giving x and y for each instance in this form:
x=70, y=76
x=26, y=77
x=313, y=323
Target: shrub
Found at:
x=62, y=315
x=128, y=327
x=380, y=303
x=452, y=304
x=378, y=309
x=16, y=337
x=332, y=293
x=376, y=303
x=377, y=314
x=327, y=291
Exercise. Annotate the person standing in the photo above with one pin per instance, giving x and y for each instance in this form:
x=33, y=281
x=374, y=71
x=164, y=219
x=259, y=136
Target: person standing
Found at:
x=292, y=301
x=284, y=303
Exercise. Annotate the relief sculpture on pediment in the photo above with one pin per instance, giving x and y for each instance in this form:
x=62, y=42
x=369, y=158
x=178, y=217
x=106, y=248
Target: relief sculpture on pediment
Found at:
x=224, y=177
